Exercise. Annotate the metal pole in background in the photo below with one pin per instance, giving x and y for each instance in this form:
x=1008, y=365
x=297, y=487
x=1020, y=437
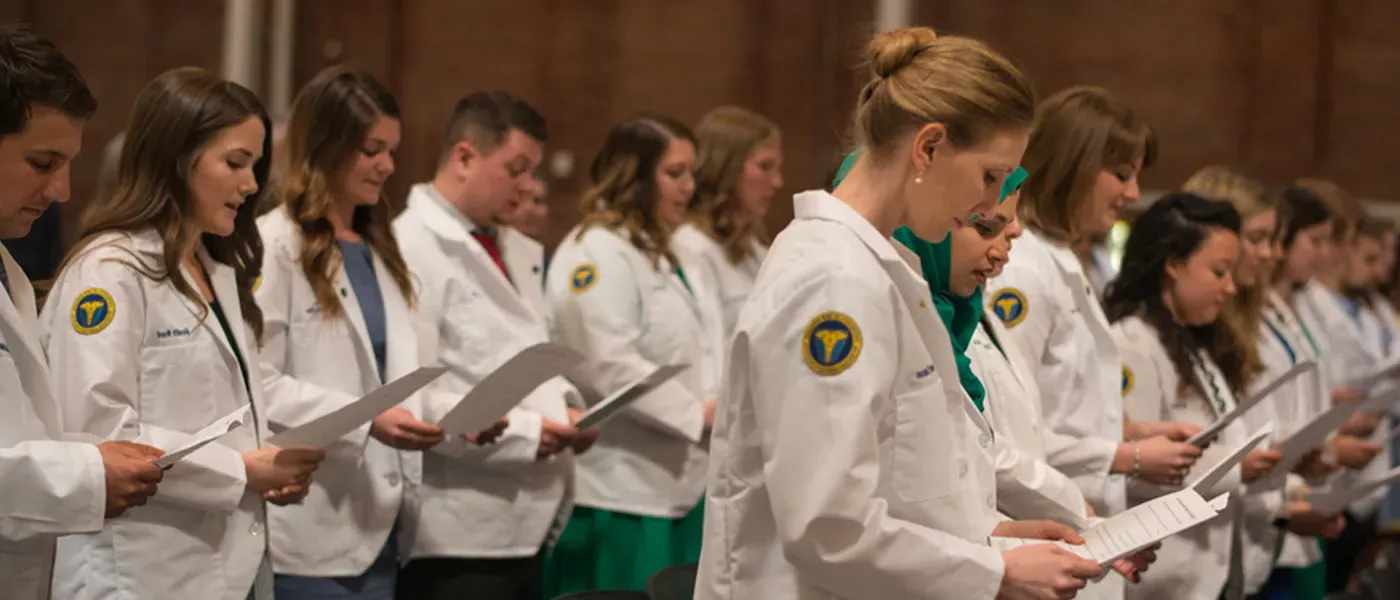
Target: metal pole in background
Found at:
x=892, y=14
x=242, y=44
x=282, y=55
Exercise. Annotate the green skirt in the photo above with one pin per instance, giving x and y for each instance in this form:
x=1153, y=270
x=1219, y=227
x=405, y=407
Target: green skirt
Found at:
x=608, y=550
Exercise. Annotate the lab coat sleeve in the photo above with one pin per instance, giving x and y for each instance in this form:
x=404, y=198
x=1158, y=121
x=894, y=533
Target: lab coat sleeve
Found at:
x=292, y=401
x=51, y=488
x=822, y=458
x=1030, y=489
x=604, y=322
x=1070, y=447
x=96, y=380
x=518, y=445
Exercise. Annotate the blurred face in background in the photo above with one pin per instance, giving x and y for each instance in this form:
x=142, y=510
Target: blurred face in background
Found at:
x=532, y=213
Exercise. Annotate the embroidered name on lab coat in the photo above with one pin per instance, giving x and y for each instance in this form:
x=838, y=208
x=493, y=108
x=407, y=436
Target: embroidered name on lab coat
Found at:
x=170, y=333
x=924, y=372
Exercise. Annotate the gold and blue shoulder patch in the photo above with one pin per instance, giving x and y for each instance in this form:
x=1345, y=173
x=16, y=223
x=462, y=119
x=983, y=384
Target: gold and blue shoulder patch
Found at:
x=831, y=343
x=93, y=311
x=1127, y=383
x=1009, y=305
x=583, y=278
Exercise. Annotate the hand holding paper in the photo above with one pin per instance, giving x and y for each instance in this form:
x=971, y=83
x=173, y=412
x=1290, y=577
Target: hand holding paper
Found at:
x=211, y=432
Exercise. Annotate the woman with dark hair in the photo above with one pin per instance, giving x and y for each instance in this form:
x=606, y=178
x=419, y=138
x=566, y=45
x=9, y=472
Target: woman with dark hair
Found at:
x=337, y=300
x=620, y=294
x=1165, y=304
x=153, y=334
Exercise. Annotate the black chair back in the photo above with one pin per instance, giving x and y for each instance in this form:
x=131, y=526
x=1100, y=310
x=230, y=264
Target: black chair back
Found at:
x=673, y=583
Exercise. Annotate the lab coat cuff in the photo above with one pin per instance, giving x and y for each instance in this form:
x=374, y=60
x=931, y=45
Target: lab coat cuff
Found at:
x=213, y=479
x=518, y=445
x=993, y=567
x=92, y=473
x=1105, y=449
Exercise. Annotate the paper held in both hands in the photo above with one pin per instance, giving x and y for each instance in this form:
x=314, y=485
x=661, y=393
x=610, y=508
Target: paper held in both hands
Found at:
x=1316, y=431
x=1141, y=526
x=326, y=429
x=508, y=386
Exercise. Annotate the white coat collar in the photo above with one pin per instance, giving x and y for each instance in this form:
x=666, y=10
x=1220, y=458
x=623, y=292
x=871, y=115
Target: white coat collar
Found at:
x=905, y=272
x=1327, y=303
x=439, y=214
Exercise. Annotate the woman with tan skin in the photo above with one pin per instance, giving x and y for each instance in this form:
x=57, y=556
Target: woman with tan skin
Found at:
x=738, y=170
x=153, y=334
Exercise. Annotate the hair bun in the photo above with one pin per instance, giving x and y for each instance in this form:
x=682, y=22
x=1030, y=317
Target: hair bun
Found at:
x=893, y=50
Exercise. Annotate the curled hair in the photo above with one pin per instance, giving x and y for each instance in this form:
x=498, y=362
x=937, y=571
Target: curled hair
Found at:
x=330, y=120
x=1172, y=230
x=919, y=77
x=726, y=137
x=1078, y=133
x=623, y=194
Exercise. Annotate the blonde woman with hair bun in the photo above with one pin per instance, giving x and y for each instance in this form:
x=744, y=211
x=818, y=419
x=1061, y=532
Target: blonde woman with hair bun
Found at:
x=847, y=461
x=738, y=170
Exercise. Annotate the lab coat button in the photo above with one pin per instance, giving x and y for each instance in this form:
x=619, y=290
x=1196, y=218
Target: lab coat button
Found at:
x=991, y=504
x=983, y=440
x=392, y=479
x=255, y=530
x=962, y=469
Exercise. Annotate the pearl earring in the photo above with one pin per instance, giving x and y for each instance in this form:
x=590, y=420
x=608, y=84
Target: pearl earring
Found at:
x=918, y=180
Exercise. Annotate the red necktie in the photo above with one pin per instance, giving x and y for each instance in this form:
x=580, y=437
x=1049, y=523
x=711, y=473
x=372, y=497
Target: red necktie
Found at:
x=487, y=239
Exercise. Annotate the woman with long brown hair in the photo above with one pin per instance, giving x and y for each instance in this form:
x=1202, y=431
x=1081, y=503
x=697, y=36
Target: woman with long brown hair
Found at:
x=153, y=334
x=337, y=296
x=620, y=294
x=738, y=170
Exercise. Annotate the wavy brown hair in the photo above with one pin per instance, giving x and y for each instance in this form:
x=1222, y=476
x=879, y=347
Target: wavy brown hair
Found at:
x=624, y=184
x=726, y=137
x=176, y=116
x=330, y=119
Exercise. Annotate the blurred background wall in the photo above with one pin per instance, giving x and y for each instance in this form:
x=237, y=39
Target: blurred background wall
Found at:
x=1280, y=88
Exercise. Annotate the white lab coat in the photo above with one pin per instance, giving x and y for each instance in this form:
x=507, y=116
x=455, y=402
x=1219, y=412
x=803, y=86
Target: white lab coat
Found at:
x=1013, y=409
x=629, y=317
x=313, y=365
x=732, y=282
x=156, y=374
x=496, y=501
x=51, y=487
x=1194, y=564
x=873, y=482
x=1284, y=343
x=1064, y=338
x=1351, y=348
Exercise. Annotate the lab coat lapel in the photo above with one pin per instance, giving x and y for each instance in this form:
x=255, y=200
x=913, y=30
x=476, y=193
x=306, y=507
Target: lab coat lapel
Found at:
x=1073, y=274
x=18, y=318
x=350, y=305
x=455, y=229
x=1325, y=303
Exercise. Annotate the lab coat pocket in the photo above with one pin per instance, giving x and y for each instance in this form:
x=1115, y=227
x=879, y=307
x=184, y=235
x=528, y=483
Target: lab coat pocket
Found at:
x=176, y=390
x=925, y=452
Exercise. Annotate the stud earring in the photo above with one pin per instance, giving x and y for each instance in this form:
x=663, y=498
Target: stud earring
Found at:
x=918, y=180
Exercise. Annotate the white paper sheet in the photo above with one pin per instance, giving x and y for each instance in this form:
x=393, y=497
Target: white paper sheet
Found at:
x=1332, y=501
x=607, y=407
x=1134, y=529
x=507, y=387
x=1218, y=471
x=1309, y=436
x=326, y=429
x=1387, y=369
x=1209, y=434
x=203, y=437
